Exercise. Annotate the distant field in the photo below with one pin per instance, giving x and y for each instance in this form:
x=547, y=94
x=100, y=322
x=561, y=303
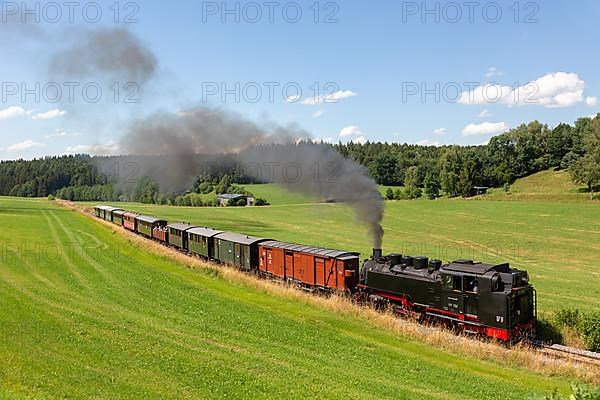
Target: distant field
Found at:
x=557, y=242
x=123, y=324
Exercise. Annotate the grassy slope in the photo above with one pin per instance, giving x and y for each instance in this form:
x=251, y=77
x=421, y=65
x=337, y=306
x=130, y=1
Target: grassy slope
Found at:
x=90, y=324
x=557, y=242
x=552, y=186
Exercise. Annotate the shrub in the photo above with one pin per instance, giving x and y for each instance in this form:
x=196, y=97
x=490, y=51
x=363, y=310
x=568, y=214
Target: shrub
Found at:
x=567, y=317
x=261, y=202
x=51, y=197
x=389, y=194
x=589, y=327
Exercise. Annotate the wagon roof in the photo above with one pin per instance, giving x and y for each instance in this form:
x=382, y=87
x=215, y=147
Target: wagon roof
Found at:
x=130, y=214
x=310, y=249
x=108, y=208
x=181, y=226
x=470, y=267
x=149, y=219
x=204, y=231
x=239, y=238
x=119, y=211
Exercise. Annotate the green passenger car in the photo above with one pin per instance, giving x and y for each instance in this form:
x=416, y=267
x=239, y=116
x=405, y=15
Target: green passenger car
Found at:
x=178, y=235
x=145, y=224
x=201, y=241
x=117, y=216
x=237, y=249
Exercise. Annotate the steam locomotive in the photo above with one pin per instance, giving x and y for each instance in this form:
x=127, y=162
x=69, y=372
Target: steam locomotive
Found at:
x=491, y=300
x=484, y=299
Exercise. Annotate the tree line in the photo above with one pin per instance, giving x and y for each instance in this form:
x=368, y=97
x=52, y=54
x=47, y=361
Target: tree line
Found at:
x=420, y=170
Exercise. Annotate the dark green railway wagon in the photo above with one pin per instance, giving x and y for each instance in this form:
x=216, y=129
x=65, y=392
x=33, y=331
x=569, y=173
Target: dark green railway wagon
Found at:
x=99, y=210
x=201, y=241
x=108, y=213
x=145, y=224
x=237, y=249
x=117, y=216
x=178, y=235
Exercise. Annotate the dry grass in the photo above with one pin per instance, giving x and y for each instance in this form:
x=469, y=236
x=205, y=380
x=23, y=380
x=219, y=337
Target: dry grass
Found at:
x=519, y=355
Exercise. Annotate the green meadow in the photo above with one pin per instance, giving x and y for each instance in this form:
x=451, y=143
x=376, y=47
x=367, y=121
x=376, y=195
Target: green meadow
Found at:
x=85, y=313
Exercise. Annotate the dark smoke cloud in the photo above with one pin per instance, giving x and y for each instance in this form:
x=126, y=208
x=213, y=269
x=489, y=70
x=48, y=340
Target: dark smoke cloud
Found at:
x=113, y=52
x=201, y=131
x=269, y=153
x=319, y=170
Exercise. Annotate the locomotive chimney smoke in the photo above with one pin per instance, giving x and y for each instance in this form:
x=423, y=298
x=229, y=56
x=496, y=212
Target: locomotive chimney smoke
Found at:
x=267, y=153
x=377, y=254
x=113, y=52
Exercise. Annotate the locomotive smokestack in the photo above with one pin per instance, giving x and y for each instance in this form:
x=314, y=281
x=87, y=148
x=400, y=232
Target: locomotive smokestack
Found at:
x=377, y=253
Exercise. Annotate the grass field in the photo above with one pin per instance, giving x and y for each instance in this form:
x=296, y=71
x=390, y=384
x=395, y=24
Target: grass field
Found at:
x=557, y=242
x=86, y=314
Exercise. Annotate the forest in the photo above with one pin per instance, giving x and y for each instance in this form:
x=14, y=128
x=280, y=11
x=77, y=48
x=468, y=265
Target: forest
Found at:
x=420, y=170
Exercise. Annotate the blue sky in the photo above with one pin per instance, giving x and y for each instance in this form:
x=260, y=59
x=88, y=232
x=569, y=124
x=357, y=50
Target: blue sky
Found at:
x=374, y=63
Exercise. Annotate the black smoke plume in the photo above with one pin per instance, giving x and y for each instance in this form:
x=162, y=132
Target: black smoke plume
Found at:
x=112, y=52
x=186, y=141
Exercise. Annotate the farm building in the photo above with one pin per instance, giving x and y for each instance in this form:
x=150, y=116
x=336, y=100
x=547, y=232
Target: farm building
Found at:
x=225, y=198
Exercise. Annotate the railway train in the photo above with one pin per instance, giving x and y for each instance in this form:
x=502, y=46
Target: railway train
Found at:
x=484, y=299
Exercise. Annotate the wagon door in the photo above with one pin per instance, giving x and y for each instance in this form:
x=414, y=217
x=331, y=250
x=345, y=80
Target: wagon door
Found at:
x=320, y=272
x=288, y=265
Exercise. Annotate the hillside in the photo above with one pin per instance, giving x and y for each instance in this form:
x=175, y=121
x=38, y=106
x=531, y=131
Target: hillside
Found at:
x=550, y=185
x=118, y=321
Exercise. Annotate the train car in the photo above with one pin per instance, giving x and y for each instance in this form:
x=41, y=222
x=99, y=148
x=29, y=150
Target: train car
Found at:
x=201, y=241
x=99, y=210
x=237, y=249
x=178, y=236
x=310, y=267
x=145, y=224
x=129, y=221
x=487, y=299
x=117, y=216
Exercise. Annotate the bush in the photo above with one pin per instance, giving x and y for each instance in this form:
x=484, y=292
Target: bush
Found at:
x=567, y=317
x=589, y=327
x=586, y=324
x=261, y=202
x=389, y=194
x=51, y=197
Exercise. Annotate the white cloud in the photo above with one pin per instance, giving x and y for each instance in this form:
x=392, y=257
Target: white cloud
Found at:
x=485, y=113
x=110, y=148
x=50, y=114
x=440, y=131
x=485, y=128
x=360, y=139
x=351, y=130
x=59, y=133
x=591, y=101
x=24, y=146
x=427, y=142
x=12, y=112
x=293, y=99
x=324, y=140
x=329, y=98
x=557, y=89
x=493, y=71
x=318, y=113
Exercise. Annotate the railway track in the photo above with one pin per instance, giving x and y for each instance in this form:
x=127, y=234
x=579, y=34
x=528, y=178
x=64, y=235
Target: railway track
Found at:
x=569, y=353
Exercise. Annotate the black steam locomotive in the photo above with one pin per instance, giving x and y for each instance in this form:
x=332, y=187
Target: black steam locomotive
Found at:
x=492, y=300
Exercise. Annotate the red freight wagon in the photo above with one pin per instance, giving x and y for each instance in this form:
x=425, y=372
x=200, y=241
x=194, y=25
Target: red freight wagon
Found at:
x=310, y=267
